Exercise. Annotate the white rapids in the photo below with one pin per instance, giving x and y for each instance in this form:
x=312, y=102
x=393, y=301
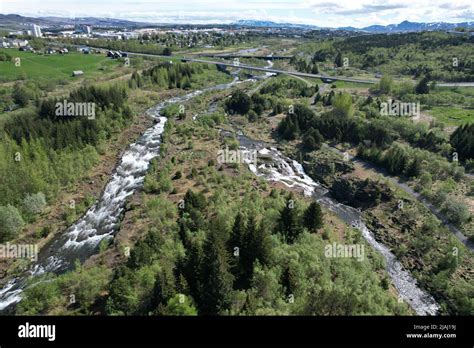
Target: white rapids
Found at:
x=102, y=220
x=274, y=166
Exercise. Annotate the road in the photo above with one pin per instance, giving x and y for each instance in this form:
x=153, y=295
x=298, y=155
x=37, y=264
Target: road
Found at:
x=455, y=84
x=250, y=67
x=230, y=56
x=325, y=78
x=461, y=237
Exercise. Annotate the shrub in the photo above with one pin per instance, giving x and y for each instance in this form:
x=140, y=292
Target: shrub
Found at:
x=34, y=203
x=10, y=222
x=456, y=212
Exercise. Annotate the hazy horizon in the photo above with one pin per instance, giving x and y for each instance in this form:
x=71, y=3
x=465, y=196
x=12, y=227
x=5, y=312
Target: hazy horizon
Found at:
x=356, y=13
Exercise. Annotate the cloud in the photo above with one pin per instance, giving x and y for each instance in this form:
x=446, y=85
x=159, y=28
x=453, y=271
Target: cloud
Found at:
x=327, y=4
x=325, y=13
x=454, y=6
x=468, y=15
x=369, y=9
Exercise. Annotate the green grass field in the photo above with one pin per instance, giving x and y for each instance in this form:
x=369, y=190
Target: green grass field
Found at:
x=452, y=116
x=35, y=66
x=466, y=91
x=346, y=84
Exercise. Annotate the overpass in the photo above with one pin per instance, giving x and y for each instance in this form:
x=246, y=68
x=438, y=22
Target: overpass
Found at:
x=233, y=56
x=324, y=78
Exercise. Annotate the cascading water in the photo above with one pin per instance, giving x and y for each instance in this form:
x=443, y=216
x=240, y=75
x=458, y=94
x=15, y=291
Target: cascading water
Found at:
x=274, y=166
x=101, y=221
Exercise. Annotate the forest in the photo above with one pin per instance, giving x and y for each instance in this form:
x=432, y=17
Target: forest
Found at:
x=221, y=248
x=439, y=56
x=206, y=238
x=42, y=153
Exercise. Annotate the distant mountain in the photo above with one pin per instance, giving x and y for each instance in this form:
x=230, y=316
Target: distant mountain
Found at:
x=269, y=24
x=404, y=26
x=407, y=26
x=13, y=21
x=17, y=22
x=99, y=22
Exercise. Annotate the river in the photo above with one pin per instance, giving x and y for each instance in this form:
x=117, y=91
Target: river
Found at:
x=275, y=167
x=102, y=220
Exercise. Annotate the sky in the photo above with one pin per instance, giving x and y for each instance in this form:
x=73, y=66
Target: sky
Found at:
x=324, y=13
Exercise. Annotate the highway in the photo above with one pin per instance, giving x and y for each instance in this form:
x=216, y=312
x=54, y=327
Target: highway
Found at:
x=455, y=84
x=324, y=78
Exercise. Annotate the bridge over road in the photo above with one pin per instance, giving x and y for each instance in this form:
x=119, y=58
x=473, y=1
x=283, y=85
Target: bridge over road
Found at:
x=324, y=78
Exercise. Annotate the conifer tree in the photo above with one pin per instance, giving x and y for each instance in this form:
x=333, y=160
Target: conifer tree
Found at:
x=338, y=60
x=217, y=281
x=313, y=217
x=235, y=246
x=422, y=86
x=288, y=223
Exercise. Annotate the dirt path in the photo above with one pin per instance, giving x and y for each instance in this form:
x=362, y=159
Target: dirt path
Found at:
x=403, y=186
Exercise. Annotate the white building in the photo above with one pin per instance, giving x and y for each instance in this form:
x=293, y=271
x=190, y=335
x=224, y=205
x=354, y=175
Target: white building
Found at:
x=20, y=43
x=76, y=73
x=36, y=30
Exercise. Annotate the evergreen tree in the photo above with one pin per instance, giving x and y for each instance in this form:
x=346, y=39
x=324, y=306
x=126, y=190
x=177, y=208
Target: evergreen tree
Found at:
x=313, y=217
x=21, y=95
x=235, y=246
x=338, y=60
x=239, y=103
x=288, y=280
x=257, y=242
x=463, y=141
x=422, y=86
x=254, y=245
x=289, y=222
x=396, y=159
x=217, y=281
x=192, y=213
x=317, y=98
x=192, y=268
x=312, y=140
